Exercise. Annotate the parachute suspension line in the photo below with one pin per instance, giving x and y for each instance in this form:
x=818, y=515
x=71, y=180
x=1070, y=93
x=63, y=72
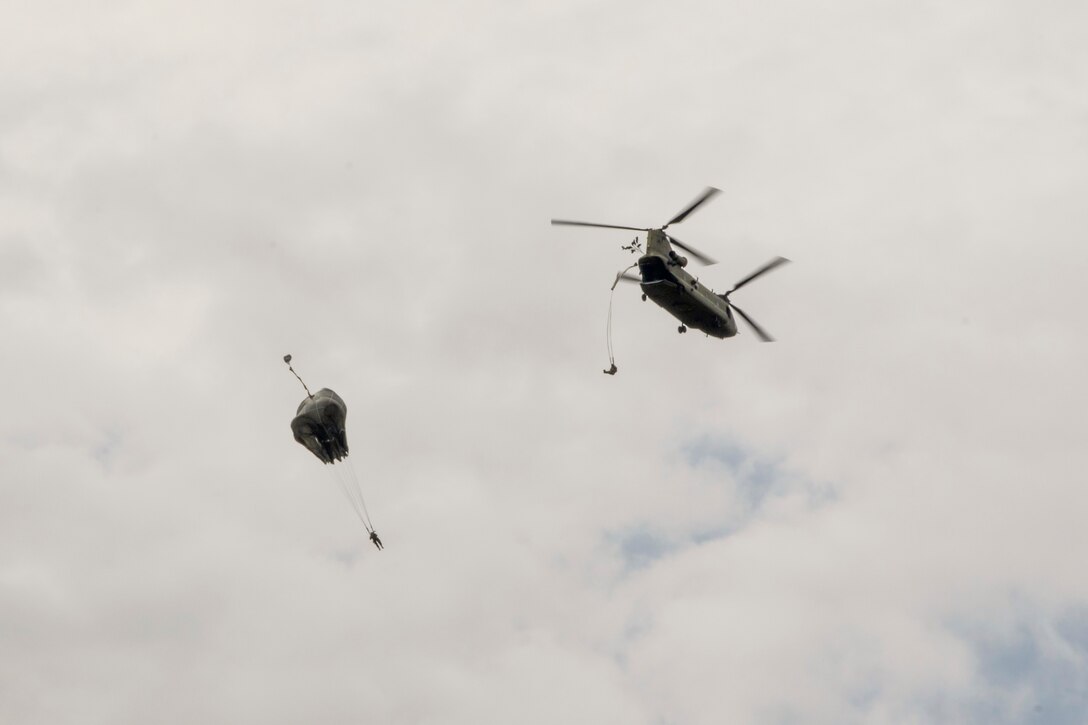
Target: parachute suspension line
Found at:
x=354, y=492
x=287, y=359
x=339, y=475
x=354, y=479
x=349, y=486
x=344, y=470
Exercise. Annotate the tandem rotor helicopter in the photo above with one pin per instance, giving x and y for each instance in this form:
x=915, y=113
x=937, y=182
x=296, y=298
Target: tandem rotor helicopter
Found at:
x=665, y=281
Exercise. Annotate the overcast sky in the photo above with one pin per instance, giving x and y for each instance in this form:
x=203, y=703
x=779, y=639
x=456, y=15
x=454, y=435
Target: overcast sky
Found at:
x=877, y=519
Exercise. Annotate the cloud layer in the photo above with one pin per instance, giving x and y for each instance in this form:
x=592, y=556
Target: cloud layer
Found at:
x=876, y=519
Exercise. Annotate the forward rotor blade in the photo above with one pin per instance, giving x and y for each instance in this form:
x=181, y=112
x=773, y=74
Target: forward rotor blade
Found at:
x=564, y=222
x=691, y=250
x=710, y=191
x=776, y=262
x=752, y=323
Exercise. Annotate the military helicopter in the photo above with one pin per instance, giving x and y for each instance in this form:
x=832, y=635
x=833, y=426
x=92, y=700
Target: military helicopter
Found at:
x=665, y=281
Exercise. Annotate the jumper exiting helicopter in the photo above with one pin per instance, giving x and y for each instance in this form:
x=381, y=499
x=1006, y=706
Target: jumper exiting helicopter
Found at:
x=665, y=281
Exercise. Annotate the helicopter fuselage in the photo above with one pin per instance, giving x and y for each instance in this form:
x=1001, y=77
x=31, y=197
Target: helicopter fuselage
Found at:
x=670, y=286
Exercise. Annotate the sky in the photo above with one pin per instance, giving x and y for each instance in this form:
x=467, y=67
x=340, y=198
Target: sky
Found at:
x=878, y=518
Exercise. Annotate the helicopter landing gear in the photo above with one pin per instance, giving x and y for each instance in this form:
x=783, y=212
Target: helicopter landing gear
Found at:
x=682, y=329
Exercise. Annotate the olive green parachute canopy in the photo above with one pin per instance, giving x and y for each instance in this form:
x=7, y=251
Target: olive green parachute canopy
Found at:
x=319, y=425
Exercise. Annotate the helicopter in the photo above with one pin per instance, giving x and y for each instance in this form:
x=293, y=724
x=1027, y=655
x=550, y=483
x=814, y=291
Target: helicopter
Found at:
x=665, y=280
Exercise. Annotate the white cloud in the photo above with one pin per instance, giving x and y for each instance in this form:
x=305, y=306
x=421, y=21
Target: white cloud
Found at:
x=875, y=519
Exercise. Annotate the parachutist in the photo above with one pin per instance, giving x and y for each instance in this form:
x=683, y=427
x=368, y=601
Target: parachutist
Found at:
x=376, y=540
x=611, y=371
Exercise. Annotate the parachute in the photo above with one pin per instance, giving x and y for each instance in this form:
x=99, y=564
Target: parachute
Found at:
x=319, y=426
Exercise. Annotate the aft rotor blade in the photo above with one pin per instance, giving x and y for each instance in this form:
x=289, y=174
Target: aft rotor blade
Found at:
x=626, y=277
x=752, y=323
x=564, y=222
x=776, y=262
x=710, y=191
x=691, y=250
